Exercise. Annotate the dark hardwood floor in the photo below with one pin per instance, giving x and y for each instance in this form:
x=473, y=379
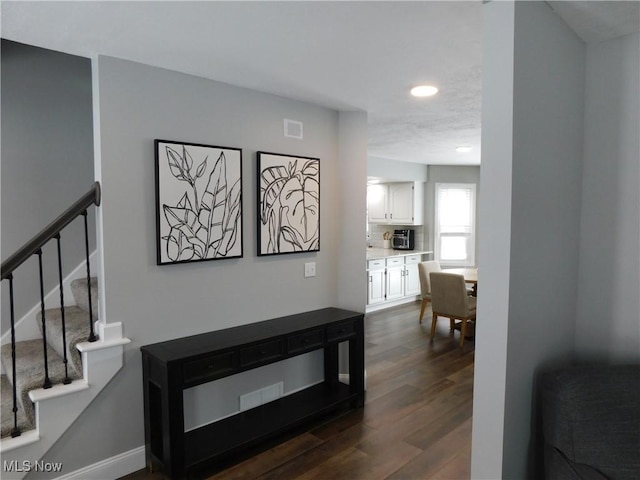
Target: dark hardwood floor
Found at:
x=416, y=423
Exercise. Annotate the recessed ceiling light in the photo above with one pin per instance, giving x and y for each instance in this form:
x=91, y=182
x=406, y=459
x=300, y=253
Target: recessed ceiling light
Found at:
x=424, y=91
x=463, y=149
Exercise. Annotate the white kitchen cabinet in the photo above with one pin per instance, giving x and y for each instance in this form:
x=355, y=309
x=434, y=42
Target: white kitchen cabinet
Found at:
x=377, y=203
x=411, y=276
x=376, y=288
x=396, y=203
x=395, y=278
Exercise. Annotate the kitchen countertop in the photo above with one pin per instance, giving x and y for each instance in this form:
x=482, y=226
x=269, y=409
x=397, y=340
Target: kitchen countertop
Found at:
x=374, y=253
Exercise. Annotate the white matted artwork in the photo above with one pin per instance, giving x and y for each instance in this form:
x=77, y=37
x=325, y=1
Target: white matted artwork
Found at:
x=288, y=204
x=198, y=202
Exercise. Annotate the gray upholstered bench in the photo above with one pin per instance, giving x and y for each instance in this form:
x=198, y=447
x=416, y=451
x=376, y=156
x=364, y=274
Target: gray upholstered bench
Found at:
x=591, y=422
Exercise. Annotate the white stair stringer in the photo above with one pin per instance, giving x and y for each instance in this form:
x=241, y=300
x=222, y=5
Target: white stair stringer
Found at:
x=58, y=407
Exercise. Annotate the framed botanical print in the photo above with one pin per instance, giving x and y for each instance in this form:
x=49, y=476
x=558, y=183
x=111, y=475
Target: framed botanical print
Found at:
x=288, y=204
x=198, y=202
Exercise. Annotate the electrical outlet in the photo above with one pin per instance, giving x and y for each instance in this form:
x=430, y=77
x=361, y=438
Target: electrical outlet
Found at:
x=310, y=269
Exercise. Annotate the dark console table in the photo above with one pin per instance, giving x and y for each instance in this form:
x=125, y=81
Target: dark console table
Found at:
x=172, y=366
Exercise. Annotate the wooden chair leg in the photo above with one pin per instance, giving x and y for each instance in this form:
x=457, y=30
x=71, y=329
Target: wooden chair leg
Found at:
x=423, y=307
x=463, y=332
x=434, y=319
x=452, y=324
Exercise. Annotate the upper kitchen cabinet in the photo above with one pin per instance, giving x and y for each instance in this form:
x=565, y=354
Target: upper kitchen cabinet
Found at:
x=396, y=203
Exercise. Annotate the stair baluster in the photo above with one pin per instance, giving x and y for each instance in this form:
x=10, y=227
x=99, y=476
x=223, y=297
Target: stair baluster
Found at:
x=15, y=431
x=65, y=359
x=92, y=336
x=47, y=380
x=34, y=247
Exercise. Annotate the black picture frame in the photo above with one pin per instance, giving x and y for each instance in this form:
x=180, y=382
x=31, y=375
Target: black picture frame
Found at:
x=198, y=202
x=288, y=204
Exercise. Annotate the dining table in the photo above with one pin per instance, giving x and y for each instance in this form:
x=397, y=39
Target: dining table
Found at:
x=470, y=275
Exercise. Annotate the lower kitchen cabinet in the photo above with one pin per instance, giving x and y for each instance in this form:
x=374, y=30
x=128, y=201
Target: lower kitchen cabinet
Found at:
x=376, y=289
x=393, y=280
x=411, y=276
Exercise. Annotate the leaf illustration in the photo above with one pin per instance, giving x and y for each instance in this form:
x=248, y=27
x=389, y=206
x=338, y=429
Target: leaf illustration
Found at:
x=311, y=168
x=233, y=205
x=175, y=164
x=214, y=198
x=185, y=203
x=172, y=248
x=272, y=180
x=187, y=161
x=202, y=168
x=300, y=208
x=177, y=216
x=273, y=233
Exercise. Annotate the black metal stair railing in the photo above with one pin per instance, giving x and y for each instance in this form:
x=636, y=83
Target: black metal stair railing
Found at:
x=34, y=247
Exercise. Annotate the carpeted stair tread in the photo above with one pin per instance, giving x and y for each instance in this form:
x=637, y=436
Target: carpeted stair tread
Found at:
x=30, y=370
x=7, y=410
x=77, y=331
x=80, y=292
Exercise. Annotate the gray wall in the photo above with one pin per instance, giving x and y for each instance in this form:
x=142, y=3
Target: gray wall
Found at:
x=47, y=158
x=608, y=326
x=140, y=103
x=535, y=260
x=545, y=218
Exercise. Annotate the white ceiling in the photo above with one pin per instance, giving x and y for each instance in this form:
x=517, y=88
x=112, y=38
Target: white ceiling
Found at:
x=344, y=55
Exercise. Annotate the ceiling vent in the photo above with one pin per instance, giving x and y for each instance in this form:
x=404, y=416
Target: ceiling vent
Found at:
x=292, y=129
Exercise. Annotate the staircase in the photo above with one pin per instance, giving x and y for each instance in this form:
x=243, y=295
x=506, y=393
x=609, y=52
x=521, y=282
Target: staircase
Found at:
x=44, y=414
x=30, y=371
x=47, y=382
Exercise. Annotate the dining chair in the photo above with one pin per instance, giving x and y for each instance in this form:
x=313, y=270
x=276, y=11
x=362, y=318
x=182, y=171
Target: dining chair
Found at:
x=424, y=269
x=449, y=299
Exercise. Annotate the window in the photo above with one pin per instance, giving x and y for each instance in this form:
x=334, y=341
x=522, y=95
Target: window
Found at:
x=455, y=229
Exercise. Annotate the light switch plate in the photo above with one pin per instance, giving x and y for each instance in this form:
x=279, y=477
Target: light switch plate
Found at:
x=310, y=269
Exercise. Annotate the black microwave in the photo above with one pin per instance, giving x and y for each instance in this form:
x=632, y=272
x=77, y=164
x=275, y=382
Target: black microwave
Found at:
x=403, y=239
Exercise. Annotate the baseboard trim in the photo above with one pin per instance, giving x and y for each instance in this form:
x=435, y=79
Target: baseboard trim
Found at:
x=114, y=467
x=391, y=303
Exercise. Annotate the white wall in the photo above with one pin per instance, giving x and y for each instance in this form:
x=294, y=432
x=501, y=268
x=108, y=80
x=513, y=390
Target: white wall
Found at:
x=544, y=178
x=494, y=217
x=352, y=245
x=608, y=326
x=396, y=171
x=139, y=103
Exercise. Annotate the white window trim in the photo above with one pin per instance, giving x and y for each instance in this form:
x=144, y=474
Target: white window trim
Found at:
x=470, y=260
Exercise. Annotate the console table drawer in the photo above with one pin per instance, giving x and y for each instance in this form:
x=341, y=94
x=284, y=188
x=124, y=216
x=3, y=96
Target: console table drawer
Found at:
x=261, y=353
x=303, y=341
x=209, y=368
x=341, y=331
